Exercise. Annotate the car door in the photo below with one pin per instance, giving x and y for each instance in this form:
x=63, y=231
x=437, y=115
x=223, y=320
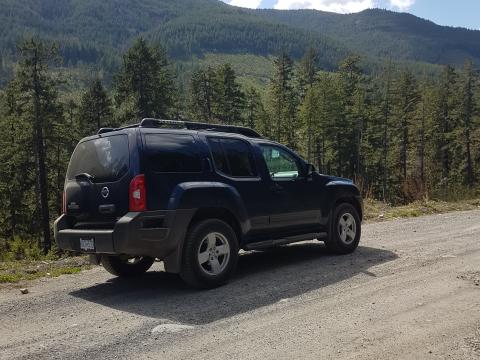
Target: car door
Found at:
x=293, y=201
x=235, y=164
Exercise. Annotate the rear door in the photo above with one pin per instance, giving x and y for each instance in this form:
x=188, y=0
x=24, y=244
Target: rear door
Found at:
x=235, y=164
x=98, y=178
x=168, y=158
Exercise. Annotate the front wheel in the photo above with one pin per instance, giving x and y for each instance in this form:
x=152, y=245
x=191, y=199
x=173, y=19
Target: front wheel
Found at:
x=210, y=254
x=125, y=266
x=345, y=230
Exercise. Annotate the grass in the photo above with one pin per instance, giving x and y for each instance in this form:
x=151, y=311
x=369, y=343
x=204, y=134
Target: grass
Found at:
x=378, y=211
x=22, y=270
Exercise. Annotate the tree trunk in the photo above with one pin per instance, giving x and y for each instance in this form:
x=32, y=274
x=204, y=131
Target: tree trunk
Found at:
x=40, y=149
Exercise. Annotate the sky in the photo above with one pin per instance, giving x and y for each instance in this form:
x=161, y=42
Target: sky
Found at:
x=463, y=13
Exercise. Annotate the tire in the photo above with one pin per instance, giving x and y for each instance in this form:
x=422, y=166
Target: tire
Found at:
x=345, y=230
x=210, y=254
x=123, y=266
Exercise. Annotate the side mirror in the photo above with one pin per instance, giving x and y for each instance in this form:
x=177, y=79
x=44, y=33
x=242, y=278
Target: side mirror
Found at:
x=310, y=170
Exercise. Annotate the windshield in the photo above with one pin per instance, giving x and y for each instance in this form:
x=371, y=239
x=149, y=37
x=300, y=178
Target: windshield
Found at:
x=103, y=160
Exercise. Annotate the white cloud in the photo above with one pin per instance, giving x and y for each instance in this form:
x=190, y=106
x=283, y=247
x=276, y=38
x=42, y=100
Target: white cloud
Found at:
x=252, y=4
x=338, y=6
x=402, y=5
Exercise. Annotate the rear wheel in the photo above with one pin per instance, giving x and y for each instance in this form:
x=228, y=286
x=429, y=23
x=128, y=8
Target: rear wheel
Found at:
x=210, y=254
x=125, y=266
x=345, y=230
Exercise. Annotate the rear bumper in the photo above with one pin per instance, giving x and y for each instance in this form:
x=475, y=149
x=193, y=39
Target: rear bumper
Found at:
x=151, y=233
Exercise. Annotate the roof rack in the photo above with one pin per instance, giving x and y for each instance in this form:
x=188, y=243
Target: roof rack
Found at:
x=192, y=125
x=107, y=130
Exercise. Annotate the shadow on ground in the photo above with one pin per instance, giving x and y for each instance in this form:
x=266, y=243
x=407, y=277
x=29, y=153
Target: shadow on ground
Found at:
x=262, y=278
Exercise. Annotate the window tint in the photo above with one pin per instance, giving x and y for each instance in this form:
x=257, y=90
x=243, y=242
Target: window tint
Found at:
x=106, y=159
x=280, y=163
x=232, y=157
x=171, y=153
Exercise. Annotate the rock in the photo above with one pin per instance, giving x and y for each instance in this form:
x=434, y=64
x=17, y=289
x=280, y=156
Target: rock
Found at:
x=24, y=291
x=31, y=271
x=381, y=216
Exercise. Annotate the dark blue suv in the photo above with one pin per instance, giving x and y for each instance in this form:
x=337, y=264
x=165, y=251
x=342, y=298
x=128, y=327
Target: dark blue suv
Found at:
x=193, y=194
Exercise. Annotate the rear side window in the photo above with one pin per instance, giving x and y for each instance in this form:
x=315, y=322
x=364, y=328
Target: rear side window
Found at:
x=106, y=159
x=172, y=153
x=232, y=157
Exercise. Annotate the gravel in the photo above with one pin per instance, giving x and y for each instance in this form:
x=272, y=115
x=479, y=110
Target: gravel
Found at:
x=409, y=292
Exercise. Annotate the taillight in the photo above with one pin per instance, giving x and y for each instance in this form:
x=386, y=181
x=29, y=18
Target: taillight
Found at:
x=138, y=194
x=64, y=203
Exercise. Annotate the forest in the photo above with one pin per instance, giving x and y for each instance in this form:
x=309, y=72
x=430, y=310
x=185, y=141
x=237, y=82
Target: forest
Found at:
x=398, y=134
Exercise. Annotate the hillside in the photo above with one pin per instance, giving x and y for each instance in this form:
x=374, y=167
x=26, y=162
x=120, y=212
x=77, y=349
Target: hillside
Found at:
x=92, y=34
x=91, y=31
x=386, y=33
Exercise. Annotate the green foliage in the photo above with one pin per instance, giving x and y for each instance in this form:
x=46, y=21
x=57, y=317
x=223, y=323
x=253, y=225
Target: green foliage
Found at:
x=21, y=249
x=216, y=96
x=282, y=102
x=95, y=109
x=401, y=135
x=145, y=86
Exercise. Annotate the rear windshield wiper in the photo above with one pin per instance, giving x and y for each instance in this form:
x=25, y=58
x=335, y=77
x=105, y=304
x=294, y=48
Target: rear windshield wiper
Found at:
x=87, y=176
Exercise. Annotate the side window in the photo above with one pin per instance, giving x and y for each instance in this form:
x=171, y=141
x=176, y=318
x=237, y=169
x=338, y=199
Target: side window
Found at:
x=232, y=157
x=171, y=153
x=281, y=164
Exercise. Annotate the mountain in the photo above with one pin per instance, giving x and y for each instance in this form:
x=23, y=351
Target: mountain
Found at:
x=94, y=33
x=92, y=30
x=386, y=33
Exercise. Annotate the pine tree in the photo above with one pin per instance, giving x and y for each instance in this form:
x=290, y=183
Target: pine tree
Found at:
x=95, y=109
x=202, y=93
x=405, y=106
x=254, y=110
x=145, y=85
x=306, y=79
x=444, y=123
x=229, y=98
x=283, y=101
x=467, y=113
x=34, y=98
x=350, y=126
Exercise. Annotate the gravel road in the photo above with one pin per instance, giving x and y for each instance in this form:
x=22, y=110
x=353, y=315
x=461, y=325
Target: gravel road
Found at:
x=411, y=291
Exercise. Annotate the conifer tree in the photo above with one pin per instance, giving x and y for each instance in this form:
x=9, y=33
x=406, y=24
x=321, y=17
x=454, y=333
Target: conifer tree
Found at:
x=229, y=98
x=283, y=101
x=145, y=85
x=34, y=99
x=467, y=113
x=202, y=93
x=95, y=109
x=254, y=110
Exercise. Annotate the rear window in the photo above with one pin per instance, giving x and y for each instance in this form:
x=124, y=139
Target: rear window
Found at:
x=232, y=157
x=106, y=159
x=172, y=153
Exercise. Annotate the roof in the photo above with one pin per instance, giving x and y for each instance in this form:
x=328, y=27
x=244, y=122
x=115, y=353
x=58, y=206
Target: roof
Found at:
x=188, y=125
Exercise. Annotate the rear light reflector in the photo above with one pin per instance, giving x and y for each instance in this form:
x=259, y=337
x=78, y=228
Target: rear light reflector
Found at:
x=138, y=194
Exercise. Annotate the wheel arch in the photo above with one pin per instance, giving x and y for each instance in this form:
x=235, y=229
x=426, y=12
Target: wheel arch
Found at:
x=173, y=262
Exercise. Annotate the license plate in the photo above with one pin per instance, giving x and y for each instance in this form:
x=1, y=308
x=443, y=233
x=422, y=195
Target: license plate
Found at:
x=87, y=244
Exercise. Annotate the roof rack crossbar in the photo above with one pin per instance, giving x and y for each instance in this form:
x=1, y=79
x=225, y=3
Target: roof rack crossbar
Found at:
x=191, y=125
